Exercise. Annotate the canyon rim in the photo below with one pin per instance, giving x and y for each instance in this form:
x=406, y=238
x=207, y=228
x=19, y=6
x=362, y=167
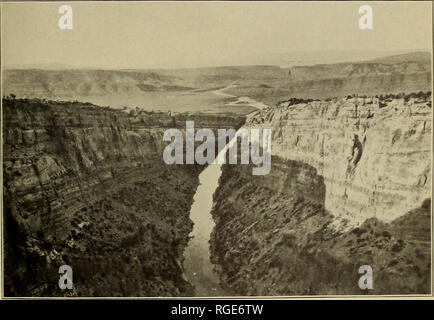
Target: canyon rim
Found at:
x=93, y=208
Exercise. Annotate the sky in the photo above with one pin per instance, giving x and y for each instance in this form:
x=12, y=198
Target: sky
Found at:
x=191, y=34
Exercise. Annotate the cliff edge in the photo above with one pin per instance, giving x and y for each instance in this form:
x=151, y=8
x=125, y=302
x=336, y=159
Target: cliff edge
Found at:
x=349, y=186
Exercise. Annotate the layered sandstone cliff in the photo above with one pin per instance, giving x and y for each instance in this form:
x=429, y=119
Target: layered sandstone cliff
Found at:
x=349, y=186
x=374, y=153
x=87, y=186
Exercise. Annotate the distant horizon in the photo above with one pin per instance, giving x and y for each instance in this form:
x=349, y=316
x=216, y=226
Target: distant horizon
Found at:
x=60, y=66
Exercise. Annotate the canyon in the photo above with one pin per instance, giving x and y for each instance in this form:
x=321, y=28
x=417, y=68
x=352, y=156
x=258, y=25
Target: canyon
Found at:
x=86, y=186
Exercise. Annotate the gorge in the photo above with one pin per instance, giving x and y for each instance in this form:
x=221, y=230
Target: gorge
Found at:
x=87, y=186
x=349, y=184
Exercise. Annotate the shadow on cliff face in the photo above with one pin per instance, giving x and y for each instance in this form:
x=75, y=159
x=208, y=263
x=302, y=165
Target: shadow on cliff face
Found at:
x=86, y=186
x=273, y=237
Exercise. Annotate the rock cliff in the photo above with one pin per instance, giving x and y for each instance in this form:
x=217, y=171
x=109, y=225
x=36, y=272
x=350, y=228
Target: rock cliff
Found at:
x=374, y=153
x=87, y=186
x=349, y=186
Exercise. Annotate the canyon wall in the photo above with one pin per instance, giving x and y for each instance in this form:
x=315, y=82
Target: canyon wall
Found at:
x=273, y=236
x=374, y=153
x=349, y=186
x=86, y=186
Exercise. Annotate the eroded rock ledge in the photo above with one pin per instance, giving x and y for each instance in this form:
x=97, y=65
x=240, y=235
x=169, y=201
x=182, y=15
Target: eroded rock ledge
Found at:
x=87, y=186
x=373, y=152
x=273, y=236
x=349, y=186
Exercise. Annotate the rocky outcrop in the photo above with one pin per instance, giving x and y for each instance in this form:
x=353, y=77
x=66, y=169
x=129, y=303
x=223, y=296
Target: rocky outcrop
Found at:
x=87, y=186
x=273, y=236
x=349, y=186
x=374, y=153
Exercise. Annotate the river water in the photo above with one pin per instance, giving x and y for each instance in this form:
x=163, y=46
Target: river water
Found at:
x=198, y=267
x=197, y=264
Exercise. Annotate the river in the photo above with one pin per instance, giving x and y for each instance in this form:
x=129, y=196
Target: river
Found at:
x=198, y=267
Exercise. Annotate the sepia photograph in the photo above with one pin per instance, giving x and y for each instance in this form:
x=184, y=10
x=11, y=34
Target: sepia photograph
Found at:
x=216, y=149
